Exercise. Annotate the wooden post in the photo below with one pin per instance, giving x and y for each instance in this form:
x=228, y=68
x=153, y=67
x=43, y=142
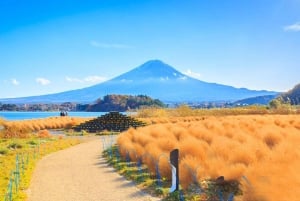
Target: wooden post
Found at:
x=174, y=155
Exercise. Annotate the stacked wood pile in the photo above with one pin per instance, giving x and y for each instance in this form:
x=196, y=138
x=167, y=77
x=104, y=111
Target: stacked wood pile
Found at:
x=112, y=121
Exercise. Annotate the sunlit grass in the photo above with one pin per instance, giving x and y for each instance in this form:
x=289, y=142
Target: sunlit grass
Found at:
x=29, y=150
x=186, y=111
x=264, y=149
x=24, y=128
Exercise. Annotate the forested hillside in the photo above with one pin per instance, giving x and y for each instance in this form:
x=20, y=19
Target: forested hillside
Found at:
x=122, y=103
x=292, y=96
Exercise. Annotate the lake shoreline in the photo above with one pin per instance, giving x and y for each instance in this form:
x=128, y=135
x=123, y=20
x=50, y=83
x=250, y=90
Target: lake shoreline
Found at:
x=17, y=116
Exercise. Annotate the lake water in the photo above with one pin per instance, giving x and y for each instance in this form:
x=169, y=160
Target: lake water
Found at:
x=38, y=115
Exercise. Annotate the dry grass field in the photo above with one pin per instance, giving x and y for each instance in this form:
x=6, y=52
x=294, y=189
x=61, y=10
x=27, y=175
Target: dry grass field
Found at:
x=261, y=152
x=24, y=128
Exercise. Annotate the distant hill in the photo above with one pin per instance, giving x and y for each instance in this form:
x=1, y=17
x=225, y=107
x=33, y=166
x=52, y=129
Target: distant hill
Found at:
x=292, y=96
x=122, y=103
x=155, y=79
x=258, y=100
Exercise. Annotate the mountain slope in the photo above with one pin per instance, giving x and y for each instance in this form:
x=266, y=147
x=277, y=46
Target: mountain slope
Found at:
x=293, y=95
x=258, y=100
x=155, y=79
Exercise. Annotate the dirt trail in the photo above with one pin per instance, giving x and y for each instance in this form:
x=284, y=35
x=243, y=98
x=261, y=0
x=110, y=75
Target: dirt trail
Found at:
x=81, y=174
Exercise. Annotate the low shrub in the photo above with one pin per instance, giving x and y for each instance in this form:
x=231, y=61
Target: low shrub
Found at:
x=43, y=134
x=15, y=145
x=32, y=142
x=3, y=151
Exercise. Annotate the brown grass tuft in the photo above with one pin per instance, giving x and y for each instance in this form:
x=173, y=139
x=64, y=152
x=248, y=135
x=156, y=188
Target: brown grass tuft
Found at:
x=262, y=148
x=43, y=134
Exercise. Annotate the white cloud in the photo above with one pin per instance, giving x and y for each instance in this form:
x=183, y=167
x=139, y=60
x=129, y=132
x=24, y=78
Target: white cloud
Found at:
x=90, y=79
x=192, y=74
x=109, y=45
x=14, y=81
x=42, y=81
x=293, y=27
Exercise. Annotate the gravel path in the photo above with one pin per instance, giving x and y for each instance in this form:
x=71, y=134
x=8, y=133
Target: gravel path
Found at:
x=81, y=174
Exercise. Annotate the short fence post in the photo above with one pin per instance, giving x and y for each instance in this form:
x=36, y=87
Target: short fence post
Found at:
x=159, y=183
x=221, y=195
x=231, y=197
x=174, y=156
x=139, y=166
x=103, y=143
x=23, y=165
x=174, y=159
x=118, y=159
x=27, y=159
x=17, y=173
x=181, y=196
x=110, y=152
x=111, y=140
x=127, y=159
x=8, y=196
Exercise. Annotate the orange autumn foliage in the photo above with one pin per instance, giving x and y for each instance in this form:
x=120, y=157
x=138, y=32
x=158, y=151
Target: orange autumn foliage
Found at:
x=260, y=151
x=24, y=128
x=43, y=134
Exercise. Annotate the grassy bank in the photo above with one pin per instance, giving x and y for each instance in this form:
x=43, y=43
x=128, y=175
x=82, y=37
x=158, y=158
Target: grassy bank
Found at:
x=158, y=185
x=18, y=158
x=186, y=111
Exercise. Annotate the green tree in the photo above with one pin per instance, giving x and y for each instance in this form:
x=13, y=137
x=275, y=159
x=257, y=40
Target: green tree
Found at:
x=275, y=103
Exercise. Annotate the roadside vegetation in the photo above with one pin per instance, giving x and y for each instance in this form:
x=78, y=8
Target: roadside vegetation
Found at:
x=243, y=145
x=24, y=128
x=276, y=106
x=254, y=149
x=21, y=145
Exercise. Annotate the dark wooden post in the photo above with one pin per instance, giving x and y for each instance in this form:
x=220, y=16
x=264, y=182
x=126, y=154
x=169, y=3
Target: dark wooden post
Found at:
x=174, y=155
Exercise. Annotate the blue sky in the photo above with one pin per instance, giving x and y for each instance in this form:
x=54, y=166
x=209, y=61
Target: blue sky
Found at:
x=58, y=45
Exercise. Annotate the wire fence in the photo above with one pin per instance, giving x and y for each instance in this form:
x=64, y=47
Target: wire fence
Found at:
x=22, y=161
x=158, y=169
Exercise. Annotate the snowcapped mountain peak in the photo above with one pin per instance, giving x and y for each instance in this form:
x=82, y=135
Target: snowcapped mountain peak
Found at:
x=155, y=79
x=152, y=70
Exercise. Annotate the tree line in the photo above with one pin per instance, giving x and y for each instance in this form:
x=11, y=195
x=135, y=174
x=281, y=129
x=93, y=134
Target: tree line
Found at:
x=123, y=103
x=291, y=97
x=113, y=102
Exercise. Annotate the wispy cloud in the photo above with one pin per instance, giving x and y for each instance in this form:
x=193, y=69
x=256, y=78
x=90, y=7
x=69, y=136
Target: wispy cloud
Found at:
x=190, y=73
x=90, y=79
x=293, y=27
x=109, y=45
x=42, y=81
x=14, y=81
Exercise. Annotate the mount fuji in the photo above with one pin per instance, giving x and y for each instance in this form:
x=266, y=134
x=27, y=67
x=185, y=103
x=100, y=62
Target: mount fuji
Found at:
x=155, y=79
